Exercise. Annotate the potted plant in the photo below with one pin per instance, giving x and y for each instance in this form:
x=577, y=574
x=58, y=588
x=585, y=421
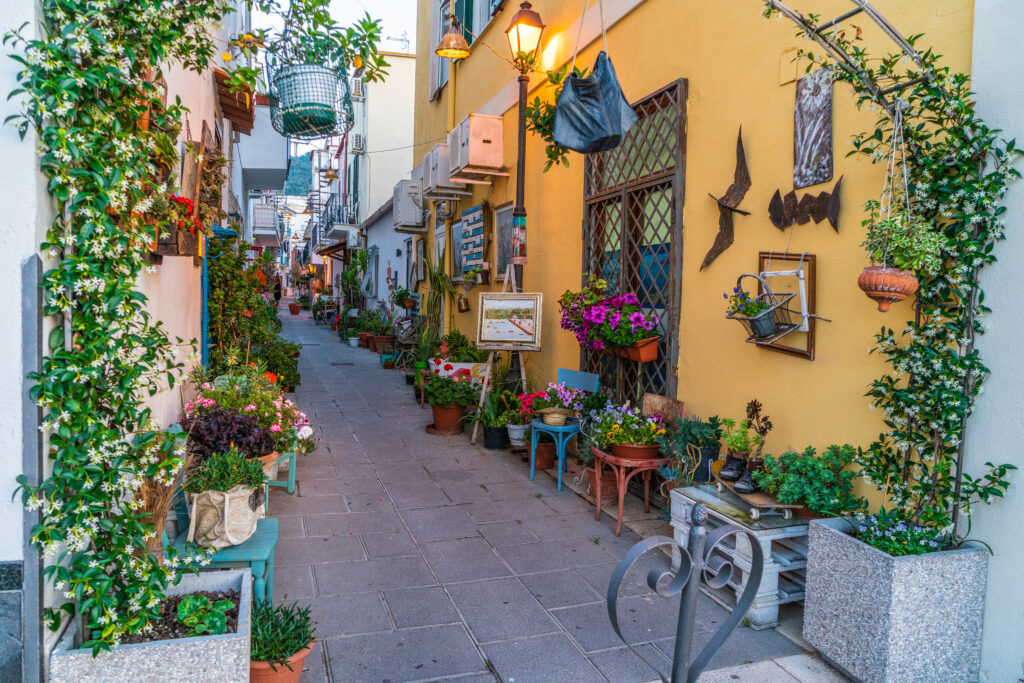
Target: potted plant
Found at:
x=218, y=430
x=492, y=417
x=756, y=312
x=448, y=398
x=744, y=440
x=822, y=485
x=555, y=404
x=402, y=298
x=693, y=444
x=614, y=324
x=294, y=307
x=904, y=245
x=180, y=641
x=593, y=406
x=630, y=434
x=226, y=494
x=517, y=424
x=282, y=638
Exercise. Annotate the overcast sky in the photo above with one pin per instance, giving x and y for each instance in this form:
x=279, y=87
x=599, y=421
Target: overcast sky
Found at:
x=398, y=18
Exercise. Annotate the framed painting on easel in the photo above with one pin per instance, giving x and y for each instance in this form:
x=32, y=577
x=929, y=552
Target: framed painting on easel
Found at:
x=509, y=321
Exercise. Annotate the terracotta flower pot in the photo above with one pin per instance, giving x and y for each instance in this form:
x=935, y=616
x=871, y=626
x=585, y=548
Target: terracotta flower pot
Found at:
x=371, y=342
x=608, y=492
x=409, y=304
x=545, y=455
x=294, y=308
x=364, y=339
x=643, y=351
x=270, y=464
x=448, y=419
x=887, y=285
x=629, y=452
x=261, y=672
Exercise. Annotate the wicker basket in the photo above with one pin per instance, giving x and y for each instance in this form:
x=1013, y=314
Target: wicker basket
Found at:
x=554, y=417
x=772, y=323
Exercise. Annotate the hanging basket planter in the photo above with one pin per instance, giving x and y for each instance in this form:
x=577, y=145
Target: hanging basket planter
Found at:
x=309, y=101
x=770, y=324
x=887, y=285
x=642, y=351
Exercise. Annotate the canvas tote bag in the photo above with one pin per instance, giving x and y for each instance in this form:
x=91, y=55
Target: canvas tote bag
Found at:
x=224, y=518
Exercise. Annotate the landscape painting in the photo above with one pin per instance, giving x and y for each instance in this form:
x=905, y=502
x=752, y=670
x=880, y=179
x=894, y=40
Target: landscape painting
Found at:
x=509, y=320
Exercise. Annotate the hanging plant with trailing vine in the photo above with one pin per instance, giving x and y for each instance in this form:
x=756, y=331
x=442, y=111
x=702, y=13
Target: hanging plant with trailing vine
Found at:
x=957, y=172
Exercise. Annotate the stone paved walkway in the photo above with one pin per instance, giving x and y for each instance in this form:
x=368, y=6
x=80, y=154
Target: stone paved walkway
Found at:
x=426, y=558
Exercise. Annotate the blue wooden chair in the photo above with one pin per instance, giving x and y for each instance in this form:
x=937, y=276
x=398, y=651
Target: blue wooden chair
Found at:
x=289, y=483
x=573, y=379
x=257, y=553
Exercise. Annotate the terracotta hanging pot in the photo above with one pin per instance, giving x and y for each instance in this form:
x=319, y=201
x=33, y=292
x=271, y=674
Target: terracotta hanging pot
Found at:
x=887, y=285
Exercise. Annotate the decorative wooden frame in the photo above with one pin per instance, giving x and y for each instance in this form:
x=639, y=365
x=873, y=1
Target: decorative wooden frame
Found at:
x=503, y=260
x=535, y=299
x=810, y=266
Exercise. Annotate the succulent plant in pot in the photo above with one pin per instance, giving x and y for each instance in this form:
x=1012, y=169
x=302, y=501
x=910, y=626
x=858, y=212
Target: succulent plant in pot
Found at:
x=282, y=638
x=823, y=484
x=693, y=444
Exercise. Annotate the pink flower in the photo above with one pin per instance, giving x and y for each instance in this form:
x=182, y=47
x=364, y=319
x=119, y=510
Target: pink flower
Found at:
x=275, y=427
x=250, y=407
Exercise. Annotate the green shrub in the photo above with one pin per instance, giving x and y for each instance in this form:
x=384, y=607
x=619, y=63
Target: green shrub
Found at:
x=822, y=483
x=203, y=617
x=225, y=471
x=279, y=632
x=443, y=391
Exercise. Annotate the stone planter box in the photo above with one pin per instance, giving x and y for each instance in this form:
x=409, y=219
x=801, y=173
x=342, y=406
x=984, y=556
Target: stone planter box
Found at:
x=884, y=618
x=204, y=658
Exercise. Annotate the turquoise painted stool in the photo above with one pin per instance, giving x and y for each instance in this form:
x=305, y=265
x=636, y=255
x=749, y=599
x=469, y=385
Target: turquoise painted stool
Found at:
x=289, y=483
x=574, y=379
x=257, y=553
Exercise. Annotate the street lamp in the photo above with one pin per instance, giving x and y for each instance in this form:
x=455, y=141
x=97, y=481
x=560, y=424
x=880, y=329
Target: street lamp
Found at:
x=453, y=43
x=523, y=40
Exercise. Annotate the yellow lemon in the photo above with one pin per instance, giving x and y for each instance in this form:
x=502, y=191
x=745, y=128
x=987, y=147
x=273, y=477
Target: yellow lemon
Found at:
x=357, y=62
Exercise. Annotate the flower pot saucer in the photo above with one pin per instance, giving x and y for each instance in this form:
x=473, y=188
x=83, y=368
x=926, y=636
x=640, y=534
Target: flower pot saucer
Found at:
x=431, y=429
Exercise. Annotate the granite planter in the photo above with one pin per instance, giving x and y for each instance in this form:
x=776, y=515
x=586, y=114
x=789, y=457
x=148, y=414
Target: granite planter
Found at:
x=884, y=618
x=223, y=658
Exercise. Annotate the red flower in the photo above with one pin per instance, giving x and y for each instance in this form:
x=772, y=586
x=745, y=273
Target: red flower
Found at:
x=270, y=377
x=448, y=367
x=464, y=371
x=437, y=372
x=437, y=360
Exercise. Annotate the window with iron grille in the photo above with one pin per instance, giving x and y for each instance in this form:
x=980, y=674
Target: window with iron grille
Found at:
x=633, y=235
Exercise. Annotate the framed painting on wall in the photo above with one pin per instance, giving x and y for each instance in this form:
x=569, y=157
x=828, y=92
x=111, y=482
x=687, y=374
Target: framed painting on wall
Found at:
x=509, y=321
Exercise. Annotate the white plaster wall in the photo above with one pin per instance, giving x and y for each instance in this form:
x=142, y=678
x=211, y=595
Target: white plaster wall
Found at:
x=994, y=432
x=382, y=235
x=26, y=217
x=389, y=133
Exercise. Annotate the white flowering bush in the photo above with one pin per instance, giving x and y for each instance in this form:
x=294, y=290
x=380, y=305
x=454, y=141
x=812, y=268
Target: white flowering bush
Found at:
x=958, y=170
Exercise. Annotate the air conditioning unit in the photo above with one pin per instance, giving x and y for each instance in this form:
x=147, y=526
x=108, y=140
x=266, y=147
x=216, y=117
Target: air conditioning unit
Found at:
x=406, y=211
x=357, y=88
x=358, y=143
x=476, y=148
x=436, y=181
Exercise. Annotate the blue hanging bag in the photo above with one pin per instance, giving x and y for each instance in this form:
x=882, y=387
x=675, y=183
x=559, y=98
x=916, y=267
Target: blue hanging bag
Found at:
x=592, y=115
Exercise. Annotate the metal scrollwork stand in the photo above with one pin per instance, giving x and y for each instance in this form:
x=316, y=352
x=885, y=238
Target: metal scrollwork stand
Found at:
x=700, y=560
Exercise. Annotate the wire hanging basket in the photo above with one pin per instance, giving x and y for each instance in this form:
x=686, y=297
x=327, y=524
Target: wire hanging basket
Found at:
x=774, y=322
x=309, y=101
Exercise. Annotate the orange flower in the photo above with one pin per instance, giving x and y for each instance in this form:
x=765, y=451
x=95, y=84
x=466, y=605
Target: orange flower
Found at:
x=270, y=377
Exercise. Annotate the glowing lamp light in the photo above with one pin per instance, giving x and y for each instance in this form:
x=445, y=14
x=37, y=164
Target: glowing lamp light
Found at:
x=524, y=35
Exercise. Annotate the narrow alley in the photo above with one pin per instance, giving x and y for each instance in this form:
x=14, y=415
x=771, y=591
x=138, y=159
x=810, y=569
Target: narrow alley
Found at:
x=426, y=558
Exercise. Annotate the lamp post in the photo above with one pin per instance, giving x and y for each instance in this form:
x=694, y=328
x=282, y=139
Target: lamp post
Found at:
x=524, y=40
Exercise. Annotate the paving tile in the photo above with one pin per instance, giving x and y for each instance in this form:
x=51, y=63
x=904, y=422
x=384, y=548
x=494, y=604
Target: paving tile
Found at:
x=395, y=544
x=506, y=533
x=296, y=505
x=352, y=523
x=560, y=589
x=532, y=660
x=314, y=669
x=415, y=607
x=809, y=669
x=292, y=583
x=340, y=486
x=313, y=472
x=757, y=672
x=642, y=620
x=508, y=510
x=459, y=493
x=463, y=559
x=416, y=494
x=623, y=666
x=578, y=525
x=356, y=470
x=434, y=524
x=316, y=549
x=288, y=526
x=498, y=609
x=345, y=615
x=530, y=558
x=415, y=654
x=369, y=501
x=338, y=578
x=743, y=646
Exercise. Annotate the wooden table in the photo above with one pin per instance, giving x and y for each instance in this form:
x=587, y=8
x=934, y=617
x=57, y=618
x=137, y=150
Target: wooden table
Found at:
x=624, y=469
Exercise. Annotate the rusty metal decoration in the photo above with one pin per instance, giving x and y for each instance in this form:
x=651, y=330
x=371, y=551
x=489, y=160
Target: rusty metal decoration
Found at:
x=783, y=211
x=701, y=560
x=727, y=204
x=812, y=129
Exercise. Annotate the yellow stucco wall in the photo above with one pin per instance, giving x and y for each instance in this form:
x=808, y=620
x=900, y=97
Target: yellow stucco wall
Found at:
x=731, y=59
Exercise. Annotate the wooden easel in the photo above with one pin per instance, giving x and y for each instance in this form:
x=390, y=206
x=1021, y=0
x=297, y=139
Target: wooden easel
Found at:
x=510, y=284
